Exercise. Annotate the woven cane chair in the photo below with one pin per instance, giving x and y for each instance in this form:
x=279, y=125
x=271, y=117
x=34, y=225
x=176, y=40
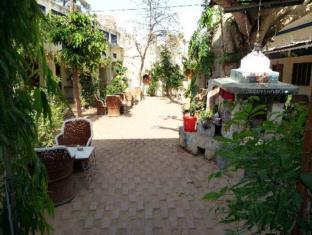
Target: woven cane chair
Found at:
x=75, y=131
x=124, y=103
x=100, y=106
x=60, y=167
x=113, y=103
x=121, y=95
x=129, y=98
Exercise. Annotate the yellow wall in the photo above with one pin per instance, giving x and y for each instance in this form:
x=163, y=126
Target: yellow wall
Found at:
x=288, y=69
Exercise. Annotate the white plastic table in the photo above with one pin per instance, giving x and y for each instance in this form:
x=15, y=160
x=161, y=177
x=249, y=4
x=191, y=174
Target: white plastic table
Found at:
x=84, y=154
x=87, y=157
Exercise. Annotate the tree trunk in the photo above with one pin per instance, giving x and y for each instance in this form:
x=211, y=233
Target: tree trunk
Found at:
x=141, y=70
x=143, y=55
x=76, y=91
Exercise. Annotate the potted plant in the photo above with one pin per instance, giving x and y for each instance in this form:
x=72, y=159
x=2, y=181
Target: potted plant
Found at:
x=189, y=118
x=205, y=125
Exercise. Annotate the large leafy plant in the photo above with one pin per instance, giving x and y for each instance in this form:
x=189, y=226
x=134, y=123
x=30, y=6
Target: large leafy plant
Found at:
x=24, y=201
x=265, y=199
x=48, y=129
x=82, y=44
x=169, y=73
x=118, y=84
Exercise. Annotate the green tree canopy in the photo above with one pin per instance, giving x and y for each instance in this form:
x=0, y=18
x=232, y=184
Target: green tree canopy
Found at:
x=82, y=44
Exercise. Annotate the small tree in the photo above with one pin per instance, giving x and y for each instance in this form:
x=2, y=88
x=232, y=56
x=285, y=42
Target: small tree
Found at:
x=156, y=24
x=82, y=41
x=169, y=73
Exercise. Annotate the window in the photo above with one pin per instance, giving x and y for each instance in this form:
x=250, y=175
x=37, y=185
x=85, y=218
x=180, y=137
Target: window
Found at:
x=113, y=39
x=301, y=74
x=42, y=8
x=278, y=68
x=114, y=55
x=106, y=35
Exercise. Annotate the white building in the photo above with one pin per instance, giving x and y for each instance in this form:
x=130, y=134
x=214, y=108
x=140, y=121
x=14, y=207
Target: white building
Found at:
x=55, y=7
x=114, y=51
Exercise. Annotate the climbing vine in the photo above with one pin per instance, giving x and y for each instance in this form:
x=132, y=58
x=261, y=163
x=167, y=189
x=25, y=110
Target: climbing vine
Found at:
x=200, y=52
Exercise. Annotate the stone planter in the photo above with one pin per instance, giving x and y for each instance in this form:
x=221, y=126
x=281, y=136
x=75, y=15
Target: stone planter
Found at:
x=222, y=162
x=206, y=128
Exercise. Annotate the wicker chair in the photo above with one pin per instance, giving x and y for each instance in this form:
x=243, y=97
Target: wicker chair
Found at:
x=76, y=131
x=124, y=103
x=137, y=93
x=121, y=95
x=60, y=167
x=129, y=98
x=113, y=103
x=100, y=106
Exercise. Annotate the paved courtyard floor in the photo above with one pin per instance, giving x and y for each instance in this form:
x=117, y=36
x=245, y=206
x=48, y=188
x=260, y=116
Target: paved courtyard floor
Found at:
x=144, y=182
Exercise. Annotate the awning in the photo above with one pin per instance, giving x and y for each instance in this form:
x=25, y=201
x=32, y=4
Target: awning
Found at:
x=290, y=47
x=297, y=35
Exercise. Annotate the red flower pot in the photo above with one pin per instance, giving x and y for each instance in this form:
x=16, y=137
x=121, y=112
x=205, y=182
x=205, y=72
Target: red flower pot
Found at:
x=189, y=123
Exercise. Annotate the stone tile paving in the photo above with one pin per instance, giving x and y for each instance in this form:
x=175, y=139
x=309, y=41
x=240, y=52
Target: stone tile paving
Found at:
x=144, y=183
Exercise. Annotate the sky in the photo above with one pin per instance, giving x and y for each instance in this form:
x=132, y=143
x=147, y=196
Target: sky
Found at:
x=187, y=16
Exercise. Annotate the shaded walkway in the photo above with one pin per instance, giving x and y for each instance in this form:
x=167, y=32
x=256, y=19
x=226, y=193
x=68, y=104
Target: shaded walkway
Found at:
x=144, y=182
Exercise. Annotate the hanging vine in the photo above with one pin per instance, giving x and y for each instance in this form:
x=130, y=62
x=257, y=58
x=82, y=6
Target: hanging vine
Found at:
x=200, y=52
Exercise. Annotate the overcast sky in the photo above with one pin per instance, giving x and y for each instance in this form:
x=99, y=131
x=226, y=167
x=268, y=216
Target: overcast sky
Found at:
x=188, y=16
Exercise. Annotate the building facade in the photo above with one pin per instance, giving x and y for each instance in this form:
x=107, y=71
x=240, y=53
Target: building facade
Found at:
x=114, y=51
x=291, y=54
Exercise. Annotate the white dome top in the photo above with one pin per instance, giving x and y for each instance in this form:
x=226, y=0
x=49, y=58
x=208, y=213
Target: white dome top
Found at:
x=255, y=62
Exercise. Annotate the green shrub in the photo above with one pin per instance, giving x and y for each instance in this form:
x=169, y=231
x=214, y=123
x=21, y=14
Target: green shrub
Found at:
x=152, y=87
x=265, y=200
x=205, y=115
x=170, y=74
x=117, y=85
x=48, y=129
x=89, y=86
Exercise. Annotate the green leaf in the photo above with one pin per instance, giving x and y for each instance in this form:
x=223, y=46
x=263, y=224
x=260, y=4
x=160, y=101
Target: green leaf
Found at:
x=216, y=174
x=212, y=196
x=306, y=179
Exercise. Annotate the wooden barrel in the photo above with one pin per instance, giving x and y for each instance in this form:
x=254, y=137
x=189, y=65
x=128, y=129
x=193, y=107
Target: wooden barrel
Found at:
x=60, y=167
